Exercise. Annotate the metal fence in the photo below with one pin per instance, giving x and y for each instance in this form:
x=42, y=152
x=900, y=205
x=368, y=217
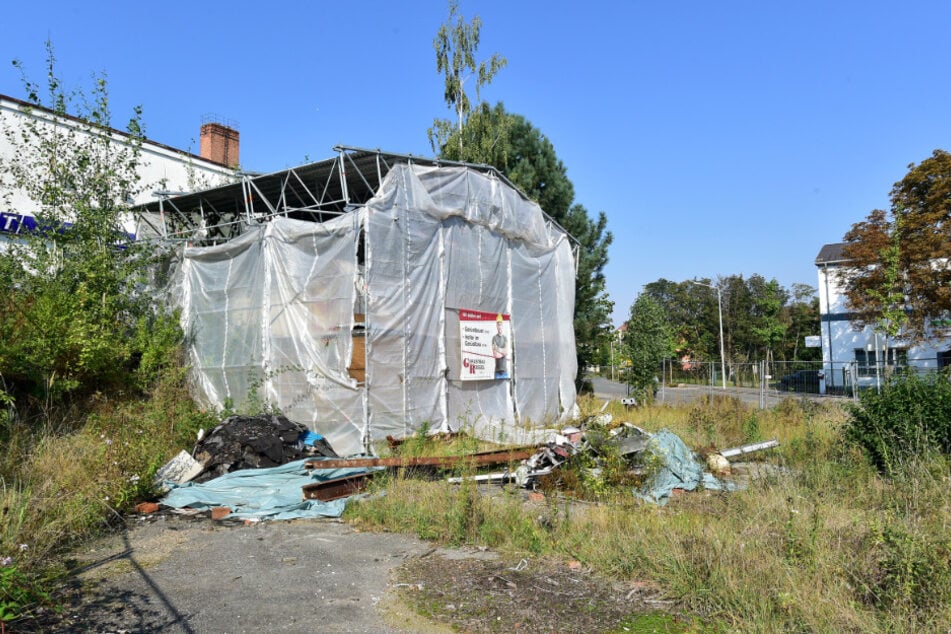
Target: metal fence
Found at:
x=766, y=384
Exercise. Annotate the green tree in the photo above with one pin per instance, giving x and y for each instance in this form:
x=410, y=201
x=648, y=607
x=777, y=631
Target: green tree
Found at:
x=72, y=293
x=528, y=159
x=803, y=318
x=693, y=315
x=456, y=44
x=649, y=340
x=899, y=276
x=769, y=325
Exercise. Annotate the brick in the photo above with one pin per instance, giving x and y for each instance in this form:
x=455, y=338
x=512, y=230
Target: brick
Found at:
x=220, y=512
x=146, y=507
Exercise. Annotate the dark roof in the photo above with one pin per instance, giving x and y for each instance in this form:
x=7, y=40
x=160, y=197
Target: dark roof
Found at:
x=831, y=254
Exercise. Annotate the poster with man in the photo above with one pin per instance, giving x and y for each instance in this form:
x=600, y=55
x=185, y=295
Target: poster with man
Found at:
x=486, y=345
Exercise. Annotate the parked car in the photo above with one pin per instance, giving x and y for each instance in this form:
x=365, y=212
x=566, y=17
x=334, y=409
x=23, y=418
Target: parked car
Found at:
x=800, y=381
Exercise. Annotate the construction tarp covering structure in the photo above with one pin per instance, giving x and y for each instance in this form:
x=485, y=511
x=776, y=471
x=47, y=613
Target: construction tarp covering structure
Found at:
x=357, y=325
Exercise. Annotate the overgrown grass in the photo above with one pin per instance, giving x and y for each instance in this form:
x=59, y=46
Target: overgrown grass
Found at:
x=823, y=543
x=64, y=477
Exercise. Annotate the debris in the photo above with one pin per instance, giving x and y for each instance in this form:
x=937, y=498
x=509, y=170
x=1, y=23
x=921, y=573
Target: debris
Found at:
x=544, y=459
x=146, y=508
x=252, y=442
x=481, y=458
x=178, y=470
x=336, y=488
x=718, y=464
x=745, y=449
x=220, y=512
x=272, y=493
x=680, y=469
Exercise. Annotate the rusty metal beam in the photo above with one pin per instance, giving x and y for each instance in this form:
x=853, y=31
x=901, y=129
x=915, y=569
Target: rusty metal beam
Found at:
x=482, y=458
x=336, y=488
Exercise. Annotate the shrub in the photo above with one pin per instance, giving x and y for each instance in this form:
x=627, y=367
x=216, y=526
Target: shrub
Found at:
x=911, y=416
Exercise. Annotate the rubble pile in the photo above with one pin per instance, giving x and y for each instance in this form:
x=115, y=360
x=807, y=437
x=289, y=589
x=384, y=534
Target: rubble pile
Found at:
x=252, y=442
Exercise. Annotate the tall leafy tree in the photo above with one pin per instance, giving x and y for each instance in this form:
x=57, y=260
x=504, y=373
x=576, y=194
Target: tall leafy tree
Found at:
x=692, y=311
x=513, y=145
x=71, y=290
x=759, y=320
x=456, y=44
x=770, y=323
x=803, y=318
x=899, y=273
x=649, y=340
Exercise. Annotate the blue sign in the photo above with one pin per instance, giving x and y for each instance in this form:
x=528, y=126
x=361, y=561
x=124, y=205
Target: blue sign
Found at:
x=16, y=223
x=24, y=223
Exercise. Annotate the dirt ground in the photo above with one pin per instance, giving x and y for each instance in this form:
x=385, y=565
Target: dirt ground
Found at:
x=168, y=573
x=480, y=594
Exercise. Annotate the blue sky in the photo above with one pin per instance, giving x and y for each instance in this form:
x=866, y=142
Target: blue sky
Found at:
x=719, y=138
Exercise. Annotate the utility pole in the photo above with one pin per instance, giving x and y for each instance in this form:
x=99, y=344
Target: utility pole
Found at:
x=720, y=311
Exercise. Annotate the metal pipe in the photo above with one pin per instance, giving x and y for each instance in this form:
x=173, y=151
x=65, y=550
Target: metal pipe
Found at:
x=745, y=449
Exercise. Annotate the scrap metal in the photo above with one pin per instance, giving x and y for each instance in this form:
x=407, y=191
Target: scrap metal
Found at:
x=481, y=458
x=337, y=488
x=745, y=449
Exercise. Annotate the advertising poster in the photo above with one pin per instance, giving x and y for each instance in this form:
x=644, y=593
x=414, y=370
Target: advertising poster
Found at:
x=486, y=345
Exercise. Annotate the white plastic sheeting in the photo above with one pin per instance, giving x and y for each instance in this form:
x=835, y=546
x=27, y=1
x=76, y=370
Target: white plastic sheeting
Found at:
x=270, y=313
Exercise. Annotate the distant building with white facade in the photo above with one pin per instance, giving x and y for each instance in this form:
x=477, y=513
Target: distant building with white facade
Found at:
x=854, y=355
x=162, y=168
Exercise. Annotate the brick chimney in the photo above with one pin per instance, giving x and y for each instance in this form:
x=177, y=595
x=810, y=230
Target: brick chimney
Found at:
x=219, y=141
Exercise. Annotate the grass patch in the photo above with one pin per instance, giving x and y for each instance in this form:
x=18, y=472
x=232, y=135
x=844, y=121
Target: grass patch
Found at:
x=825, y=543
x=65, y=477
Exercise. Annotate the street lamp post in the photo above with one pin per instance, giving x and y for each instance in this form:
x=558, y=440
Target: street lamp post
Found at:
x=720, y=311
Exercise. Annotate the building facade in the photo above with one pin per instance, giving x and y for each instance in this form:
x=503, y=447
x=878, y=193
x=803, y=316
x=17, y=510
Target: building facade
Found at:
x=855, y=356
x=161, y=169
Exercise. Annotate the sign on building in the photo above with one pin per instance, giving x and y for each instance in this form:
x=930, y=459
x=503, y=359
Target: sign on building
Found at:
x=486, y=345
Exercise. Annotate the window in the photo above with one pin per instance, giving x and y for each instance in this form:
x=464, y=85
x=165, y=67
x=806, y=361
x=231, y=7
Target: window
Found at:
x=866, y=360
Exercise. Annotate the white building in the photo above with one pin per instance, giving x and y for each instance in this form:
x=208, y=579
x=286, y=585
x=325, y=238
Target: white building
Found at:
x=853, y=355
x=162, y=167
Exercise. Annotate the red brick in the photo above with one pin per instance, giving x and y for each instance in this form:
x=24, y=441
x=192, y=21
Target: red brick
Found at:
x=220, y=512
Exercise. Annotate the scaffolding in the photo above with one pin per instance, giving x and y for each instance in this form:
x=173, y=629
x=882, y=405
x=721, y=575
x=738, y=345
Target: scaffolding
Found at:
x=359, y=295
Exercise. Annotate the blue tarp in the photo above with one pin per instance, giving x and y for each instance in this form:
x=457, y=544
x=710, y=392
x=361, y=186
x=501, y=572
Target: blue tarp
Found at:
x=680, y=469
x=274, y=493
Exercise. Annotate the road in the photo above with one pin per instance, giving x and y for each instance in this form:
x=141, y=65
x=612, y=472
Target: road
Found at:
x=686, y=394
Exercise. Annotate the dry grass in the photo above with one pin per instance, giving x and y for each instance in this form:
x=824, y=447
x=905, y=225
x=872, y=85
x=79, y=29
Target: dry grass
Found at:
x=822, y=545
x=63, y=483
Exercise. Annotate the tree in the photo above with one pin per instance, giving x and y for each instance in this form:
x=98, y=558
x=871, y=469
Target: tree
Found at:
x=770, y=324
x=899, y=275
x=649, y=340
x=71, y=289
x=803, y=318
x=758, y=319
x=526, y=157
x=456, y=44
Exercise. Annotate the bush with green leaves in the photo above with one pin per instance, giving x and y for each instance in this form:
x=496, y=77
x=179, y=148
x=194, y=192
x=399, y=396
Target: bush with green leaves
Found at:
x=73, y=289
x=909, y=417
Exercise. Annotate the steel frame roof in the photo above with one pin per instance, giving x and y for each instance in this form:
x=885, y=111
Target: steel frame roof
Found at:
x=315, y=192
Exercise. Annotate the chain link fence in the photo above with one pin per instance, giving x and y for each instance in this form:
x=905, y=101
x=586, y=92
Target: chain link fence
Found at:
x=766, y=384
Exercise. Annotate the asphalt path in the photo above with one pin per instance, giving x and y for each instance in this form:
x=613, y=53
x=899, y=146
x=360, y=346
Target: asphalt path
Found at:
x=188, y=575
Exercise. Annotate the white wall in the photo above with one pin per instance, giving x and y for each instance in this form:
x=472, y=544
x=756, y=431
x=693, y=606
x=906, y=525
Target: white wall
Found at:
x=840, y=338
x=162, y=167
